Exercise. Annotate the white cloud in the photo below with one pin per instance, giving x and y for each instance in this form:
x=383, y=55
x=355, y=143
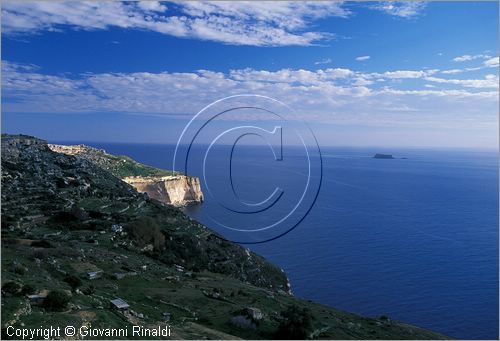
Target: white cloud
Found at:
x=362, y=58
x=492, y=62
x=323, y=61
x=489, y=81
x=487, y=63
x=450, y=94
x=328, y=95
x=468, y=57
x=154, y=6
x=238, y=23
x=452, y=71
x=291, y=14
x=406, y=74
x=463, y=58
x=399, y=75
x=402, y=9
x=291, y=76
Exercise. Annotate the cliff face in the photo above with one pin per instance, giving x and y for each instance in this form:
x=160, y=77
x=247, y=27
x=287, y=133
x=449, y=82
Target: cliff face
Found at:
x=175, y=190
x=163, y=185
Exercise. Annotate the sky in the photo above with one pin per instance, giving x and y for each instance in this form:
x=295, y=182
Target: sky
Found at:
x=358, y=73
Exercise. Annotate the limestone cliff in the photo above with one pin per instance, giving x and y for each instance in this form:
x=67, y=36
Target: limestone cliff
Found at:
x=177, y=190
x=163, y=185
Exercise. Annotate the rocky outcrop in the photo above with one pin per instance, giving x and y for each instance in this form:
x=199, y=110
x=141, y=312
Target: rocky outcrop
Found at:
x=175, y=190
x=163, y=185
x=13, y=144
x=75, y=149
x=119, y=165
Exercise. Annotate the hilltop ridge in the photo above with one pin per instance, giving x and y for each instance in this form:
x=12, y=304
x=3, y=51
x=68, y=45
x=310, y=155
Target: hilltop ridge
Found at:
x=166, y=186
x=121, y=166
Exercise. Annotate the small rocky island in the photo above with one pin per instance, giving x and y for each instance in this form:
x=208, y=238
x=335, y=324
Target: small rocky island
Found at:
x=383, y=156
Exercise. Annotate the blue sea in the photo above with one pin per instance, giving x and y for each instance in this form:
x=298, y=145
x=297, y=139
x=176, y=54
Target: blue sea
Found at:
x=415, y=239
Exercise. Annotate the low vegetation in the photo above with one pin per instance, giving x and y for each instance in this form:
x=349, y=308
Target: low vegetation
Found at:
x=56, y=300
x=144, y=231
x=296, y=323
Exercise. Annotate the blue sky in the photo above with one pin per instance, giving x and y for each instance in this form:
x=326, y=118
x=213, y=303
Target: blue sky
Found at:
x=364, y=73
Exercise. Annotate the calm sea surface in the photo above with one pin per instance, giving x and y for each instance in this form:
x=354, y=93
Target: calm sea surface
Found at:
x=415, y=239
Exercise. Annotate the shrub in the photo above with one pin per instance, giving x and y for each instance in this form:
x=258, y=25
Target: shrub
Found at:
x=242, y=322
x=146, y=231
x=41, y=243
x=204, y=320
x=242, y=293
x=56, y=300
x=296, y=323
x=96, y=214
x=28, y=289
x=73, y=281
x=79, y=213
x=90, y=290
x=11, y=288
x=19, y=269
x=63, y=217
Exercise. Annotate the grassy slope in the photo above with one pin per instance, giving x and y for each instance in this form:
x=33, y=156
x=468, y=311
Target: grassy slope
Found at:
x=151, y=294
x=123, y=166
x=120, y=166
